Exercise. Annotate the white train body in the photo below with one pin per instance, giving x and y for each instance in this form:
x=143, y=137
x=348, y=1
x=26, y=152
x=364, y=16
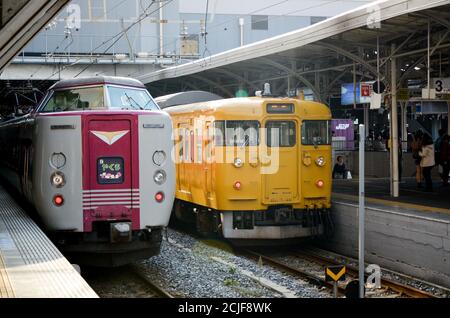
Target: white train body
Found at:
x=96, y=167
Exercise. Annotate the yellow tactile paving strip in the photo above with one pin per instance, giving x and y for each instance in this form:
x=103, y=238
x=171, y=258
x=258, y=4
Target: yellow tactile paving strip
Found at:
x=405, y=205
x=6, y=290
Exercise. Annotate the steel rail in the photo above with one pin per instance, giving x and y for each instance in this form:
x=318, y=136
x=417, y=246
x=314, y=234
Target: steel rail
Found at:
x=158, y=290
x=353, y=271
x=311, y=278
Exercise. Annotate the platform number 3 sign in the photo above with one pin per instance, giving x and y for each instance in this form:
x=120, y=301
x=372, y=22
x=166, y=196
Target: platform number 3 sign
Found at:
x=442, y=85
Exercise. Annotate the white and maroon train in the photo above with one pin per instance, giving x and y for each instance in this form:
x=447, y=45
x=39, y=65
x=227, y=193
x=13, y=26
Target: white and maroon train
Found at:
x=94, y=159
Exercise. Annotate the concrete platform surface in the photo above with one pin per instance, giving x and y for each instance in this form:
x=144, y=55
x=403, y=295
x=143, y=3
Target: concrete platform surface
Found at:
x=30, y=265
x=379, y=188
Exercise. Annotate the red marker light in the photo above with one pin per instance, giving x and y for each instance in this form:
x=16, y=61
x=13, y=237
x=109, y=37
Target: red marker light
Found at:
x=237, y=185
x=320, y=183
x=159, y=197
x=58, y=200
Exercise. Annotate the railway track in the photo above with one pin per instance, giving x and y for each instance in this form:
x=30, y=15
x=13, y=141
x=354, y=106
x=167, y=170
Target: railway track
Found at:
x=390, y=288
x=294, y=270
x=158, y=290
x=395, y=286
x=123, y=282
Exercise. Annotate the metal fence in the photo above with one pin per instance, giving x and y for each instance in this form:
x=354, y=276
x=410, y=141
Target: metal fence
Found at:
x=380, y=145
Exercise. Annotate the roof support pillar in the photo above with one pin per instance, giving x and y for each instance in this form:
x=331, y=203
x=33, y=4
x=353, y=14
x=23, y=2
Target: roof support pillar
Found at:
x=394, y=158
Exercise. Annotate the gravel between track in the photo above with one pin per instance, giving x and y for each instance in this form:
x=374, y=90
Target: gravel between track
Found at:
x=185, y=267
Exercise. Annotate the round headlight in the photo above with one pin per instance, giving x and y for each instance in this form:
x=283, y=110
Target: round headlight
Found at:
x=320, y=161
x=238, y=162
x=159, y=157
x=159, y=177
x=58, y=179
x=58, y=160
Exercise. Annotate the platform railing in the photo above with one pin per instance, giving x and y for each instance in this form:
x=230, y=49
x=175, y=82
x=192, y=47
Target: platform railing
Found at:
x=370, y=145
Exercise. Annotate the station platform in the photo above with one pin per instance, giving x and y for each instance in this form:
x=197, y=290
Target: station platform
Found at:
x=30, y=265
x=411, y=197
x=409, y=234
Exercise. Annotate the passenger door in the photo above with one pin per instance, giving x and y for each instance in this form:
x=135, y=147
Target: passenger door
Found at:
x=183, y=157
x=208, y=157
x=280, y=183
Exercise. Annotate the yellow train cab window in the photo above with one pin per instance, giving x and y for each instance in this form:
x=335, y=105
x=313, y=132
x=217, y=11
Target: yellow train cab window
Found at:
x=316, y=132
x=240, y=133
x=281, y=133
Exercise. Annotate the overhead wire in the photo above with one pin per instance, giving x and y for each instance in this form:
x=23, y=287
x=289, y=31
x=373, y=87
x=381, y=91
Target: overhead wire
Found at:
x=215, y=26
x=115, y=38
x=121, y=34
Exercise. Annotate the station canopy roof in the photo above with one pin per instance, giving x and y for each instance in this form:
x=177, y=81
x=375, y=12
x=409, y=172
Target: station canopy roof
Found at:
x=323, y=56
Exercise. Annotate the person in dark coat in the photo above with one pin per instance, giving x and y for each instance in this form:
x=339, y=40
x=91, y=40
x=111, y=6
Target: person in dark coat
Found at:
x=445, y=158
x=339, y=171
x=416, y=146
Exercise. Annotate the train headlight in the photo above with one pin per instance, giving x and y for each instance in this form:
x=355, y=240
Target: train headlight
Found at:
x=238, y=162
x=58, y=160
x=159, y=177
x=320, y=161
x=159, y=157
x=58, y=179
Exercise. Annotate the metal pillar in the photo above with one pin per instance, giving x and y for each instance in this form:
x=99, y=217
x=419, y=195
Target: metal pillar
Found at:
x=241, y=27
x=161, y=30
x=448, y=119
x=404, y=122
x=361, y=211
x=354, y=85
x=366, y=119
x=394, y=129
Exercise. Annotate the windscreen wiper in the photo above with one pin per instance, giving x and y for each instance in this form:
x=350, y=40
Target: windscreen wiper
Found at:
x=131, y=99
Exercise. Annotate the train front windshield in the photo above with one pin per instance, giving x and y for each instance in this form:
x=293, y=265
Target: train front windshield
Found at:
x=75, y=99
x=316, y=132
x=93, y=98
x=131, y=98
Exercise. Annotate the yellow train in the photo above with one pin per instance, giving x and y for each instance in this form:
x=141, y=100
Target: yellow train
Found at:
x=252, y=168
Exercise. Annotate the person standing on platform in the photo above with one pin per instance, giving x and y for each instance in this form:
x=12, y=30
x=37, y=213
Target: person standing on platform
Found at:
x=445, y=158
x=427, y=163
x=416, y=146
x=437, y=150
x=339, y=171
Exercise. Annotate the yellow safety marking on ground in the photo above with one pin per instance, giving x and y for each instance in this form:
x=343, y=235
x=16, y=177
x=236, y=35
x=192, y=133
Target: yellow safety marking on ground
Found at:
x=6, y=290
x=380, y=186
x=334, y=276
x=405, y=205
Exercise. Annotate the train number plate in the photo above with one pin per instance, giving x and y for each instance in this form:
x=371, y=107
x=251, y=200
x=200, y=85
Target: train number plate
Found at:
x=110, y=170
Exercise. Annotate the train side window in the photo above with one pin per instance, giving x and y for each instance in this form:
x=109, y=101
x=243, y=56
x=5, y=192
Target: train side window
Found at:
x=238, y=133
x=181, y=144
x=192, y=144
x=199, y=146
x=281, y=133
x=219, y=133
x=187, y=148
x=208, y=142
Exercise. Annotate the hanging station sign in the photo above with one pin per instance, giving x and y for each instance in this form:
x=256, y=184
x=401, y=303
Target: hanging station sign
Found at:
x=441, y=85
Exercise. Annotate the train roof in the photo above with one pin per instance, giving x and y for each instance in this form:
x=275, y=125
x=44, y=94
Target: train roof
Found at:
x=98, y=80
x=184, y=98
x=247, y=105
